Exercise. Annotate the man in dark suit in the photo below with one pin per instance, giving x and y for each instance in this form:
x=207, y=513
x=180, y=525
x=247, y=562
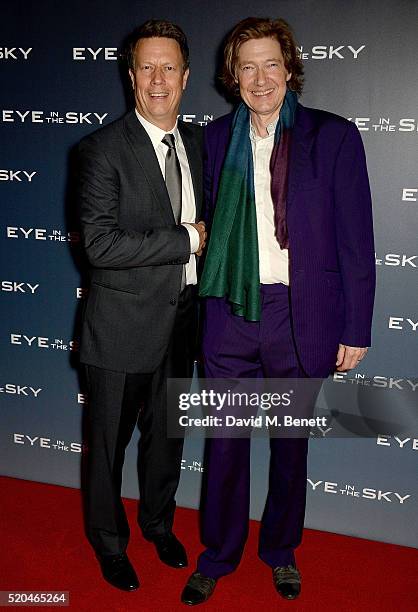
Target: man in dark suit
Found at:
x=289, y=279
x=140, y=193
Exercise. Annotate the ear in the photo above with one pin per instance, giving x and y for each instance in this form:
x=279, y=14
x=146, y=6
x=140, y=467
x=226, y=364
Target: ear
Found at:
x=185, y=77
x=132, y=77
x=289, y=76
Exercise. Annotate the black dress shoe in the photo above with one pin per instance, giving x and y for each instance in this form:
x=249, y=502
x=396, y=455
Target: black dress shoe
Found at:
x=170, y=550
x=198, y=589
x=118, y=571
x=287, y=581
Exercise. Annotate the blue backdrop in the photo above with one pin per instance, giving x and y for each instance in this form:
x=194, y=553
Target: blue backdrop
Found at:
x=61, y=79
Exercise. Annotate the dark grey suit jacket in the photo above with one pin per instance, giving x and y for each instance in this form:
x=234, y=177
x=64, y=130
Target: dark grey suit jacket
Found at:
x=133, y=245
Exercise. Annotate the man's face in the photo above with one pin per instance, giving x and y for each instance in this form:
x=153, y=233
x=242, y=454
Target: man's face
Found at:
x=158, y=80
x=262, y=77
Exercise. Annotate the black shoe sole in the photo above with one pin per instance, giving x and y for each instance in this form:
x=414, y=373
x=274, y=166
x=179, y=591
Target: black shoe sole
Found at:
x=175, y=566
x=120, y=588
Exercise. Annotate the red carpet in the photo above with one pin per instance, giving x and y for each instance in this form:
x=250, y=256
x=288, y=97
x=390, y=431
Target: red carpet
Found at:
x=43, y=548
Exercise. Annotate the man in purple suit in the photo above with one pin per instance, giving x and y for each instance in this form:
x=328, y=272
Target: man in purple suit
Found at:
x=289, y=279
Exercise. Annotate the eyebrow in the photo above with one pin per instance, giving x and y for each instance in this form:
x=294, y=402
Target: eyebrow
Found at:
x=154, y=62
x=271, y=59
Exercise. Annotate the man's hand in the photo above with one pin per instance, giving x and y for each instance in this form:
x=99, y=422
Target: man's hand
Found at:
x=201, y=228
x=349, y=357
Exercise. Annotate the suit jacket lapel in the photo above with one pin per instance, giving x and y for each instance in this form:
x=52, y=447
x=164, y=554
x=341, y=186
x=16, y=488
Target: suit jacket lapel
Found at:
x=301, y=166
x=145, y=155
x=194, y=156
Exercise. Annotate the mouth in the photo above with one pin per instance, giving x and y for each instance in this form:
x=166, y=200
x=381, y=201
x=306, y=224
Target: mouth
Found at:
x=261, y=94
x=158, y=95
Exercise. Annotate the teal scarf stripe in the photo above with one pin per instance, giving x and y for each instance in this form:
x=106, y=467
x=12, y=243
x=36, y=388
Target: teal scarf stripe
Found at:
x=232, y=262
x=233, y=188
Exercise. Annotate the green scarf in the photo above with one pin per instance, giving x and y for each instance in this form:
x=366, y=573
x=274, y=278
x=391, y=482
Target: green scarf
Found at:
x=232, y=264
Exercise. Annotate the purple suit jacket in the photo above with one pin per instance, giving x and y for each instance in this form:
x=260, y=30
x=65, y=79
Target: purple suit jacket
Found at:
x=331, y=249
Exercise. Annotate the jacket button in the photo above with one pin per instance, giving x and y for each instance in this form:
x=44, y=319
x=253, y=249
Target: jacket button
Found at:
x=173, y=301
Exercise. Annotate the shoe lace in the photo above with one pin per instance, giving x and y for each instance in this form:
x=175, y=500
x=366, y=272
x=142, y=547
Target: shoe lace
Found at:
x=287, y=573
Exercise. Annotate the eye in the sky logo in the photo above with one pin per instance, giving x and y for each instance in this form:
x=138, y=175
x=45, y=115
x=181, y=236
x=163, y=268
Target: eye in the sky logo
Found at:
x=385, y=124
x=20, y=390
x=396, y=442
x=201, y=119
x=42, y=342
x=81, y=292
x=193, y=466
x=47, y=443
x=402, y=323
x=409, y=194
x=14, y=53
x=43, y=234
x=398, y=260
x=17, y=287
x=54, y=117
x=352, y=491
x=325, y=52
x=17, y=176
x=101, y=53
x=389, y=383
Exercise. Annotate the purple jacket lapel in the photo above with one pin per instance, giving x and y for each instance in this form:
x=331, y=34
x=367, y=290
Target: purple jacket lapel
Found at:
x=301, y=165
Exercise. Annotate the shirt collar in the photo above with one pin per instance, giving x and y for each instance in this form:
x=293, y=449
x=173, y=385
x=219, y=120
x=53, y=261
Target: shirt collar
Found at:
x=155, y=133
x=271, y=128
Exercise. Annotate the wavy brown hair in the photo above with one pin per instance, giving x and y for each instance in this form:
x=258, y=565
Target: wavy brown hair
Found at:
x=254, y=28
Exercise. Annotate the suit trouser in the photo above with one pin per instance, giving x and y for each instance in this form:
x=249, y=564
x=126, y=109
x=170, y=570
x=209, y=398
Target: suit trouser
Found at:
x=117, y=402
x=253, y=350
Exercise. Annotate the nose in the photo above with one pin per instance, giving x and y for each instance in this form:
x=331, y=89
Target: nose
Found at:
x=260, y=77
x=157, y=75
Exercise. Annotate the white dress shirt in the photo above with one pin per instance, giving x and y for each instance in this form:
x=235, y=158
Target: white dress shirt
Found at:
x=273, y=261
x=188, y=204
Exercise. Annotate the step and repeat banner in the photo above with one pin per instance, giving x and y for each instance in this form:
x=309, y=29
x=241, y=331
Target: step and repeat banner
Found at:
x=60, y=79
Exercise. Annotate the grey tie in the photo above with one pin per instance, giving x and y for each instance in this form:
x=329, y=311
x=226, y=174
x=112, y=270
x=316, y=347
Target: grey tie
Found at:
x=173, y=176
x=173, y=184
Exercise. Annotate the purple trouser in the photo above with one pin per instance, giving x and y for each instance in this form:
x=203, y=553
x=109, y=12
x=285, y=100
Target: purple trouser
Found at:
x=251, y=350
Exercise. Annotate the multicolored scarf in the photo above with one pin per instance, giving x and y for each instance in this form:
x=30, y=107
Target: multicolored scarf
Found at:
x=231, y=268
